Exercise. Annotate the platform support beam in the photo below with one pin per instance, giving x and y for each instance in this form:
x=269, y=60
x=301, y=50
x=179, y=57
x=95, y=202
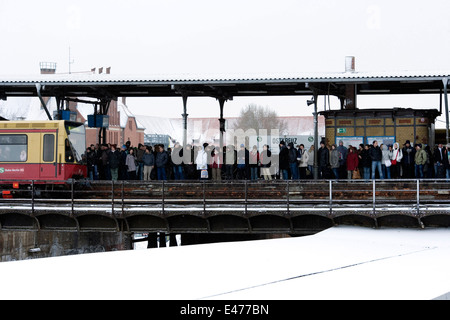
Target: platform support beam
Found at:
x=445, y=81
x=185, y=120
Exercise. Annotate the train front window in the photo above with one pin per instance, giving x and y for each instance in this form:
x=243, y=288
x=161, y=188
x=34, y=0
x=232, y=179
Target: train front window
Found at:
x=13, y=147
x=75, y=145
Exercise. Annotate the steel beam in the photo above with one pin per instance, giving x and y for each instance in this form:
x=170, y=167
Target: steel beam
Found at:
x=445, y=82
x=44, y=105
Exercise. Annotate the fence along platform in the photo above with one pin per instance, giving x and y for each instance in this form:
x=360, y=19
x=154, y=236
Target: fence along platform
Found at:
x=279, y=206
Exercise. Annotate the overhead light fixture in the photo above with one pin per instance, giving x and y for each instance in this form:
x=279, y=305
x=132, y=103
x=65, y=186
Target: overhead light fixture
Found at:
x=252, y=92
x=375, y=91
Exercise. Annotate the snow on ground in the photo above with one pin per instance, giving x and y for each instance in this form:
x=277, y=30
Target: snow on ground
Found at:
x=339, y=263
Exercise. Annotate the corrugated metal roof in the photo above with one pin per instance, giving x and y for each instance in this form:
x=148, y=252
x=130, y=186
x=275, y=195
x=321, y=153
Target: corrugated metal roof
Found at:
x=191, y=78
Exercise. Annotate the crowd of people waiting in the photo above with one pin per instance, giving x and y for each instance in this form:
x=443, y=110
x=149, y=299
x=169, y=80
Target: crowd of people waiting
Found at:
x=107, y=162
x=384, y=161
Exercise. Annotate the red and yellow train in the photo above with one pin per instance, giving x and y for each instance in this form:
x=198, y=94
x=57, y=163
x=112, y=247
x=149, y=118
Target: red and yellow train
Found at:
x=41, y=151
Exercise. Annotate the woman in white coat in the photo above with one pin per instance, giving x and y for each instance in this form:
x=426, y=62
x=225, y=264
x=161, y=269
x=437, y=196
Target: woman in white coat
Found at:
x=303, y=163
x=202, y=163
x=396, y=157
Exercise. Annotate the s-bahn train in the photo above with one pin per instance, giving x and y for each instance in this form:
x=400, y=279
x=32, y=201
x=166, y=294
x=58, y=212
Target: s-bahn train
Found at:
x=41, y=151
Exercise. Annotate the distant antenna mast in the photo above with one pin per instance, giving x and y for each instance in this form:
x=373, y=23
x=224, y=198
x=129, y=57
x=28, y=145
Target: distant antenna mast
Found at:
x=71, y=61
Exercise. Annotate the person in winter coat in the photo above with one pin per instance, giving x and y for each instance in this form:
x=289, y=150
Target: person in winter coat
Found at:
x=420, y=158
x=229, y=162
x=408, y=160
x=334, y=161
x=293, y=166
x=396, y=158
x=440, y=161
x=188, y=161
x=376, y=155
x=130, y=163
x=253, y=163
x=352, y=162
x=310, y=162
x=365, y=161
x=242, y=159
x=264, y=159
x=386, y=160
x=216, y=164
x=148, y=160
x=284, y=160
x=161, y=160
x=323, y=155
x=114, y=162
x=303, y=163
x=201, y=161
x=177, y=162
x=343, y=152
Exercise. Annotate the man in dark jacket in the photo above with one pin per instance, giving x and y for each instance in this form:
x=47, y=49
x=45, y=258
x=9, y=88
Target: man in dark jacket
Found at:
x=114, y=162
x=284, y=160
x=440, y=161
x=376, y=156
x=161, y=161
x=323, y=156
x=293, y=166
x=409, y=154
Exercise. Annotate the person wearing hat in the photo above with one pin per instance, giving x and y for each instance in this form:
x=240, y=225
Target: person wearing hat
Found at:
x=408, y=153
x=420, y=159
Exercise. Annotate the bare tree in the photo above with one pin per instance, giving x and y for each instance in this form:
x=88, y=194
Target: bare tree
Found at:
x=258, y=117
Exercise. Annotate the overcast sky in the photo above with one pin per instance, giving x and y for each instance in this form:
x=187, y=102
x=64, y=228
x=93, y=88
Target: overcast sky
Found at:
x=186, y=38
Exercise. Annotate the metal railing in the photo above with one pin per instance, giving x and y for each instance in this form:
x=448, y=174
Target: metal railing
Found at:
x=412, y=196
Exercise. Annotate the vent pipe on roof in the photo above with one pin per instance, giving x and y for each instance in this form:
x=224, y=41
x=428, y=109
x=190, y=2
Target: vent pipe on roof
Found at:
x=349, y=64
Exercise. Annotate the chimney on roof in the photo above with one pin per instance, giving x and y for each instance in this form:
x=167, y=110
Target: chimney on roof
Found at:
x=350, y=89
x=48, y=67
x=349, y=64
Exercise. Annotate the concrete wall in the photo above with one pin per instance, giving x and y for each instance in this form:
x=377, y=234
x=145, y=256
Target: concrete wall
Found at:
x=20, y=245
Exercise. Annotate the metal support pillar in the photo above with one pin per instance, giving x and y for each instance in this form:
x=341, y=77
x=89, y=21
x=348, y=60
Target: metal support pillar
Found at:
x=44, y=105
x=104, y=108
x=445, y=81
x=316, y=138
x=222, y=123
x=185, y=117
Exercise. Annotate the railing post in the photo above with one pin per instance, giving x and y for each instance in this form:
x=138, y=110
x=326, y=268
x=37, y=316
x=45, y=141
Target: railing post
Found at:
x=287, y=197
x=417, y=197
x=122, y=192
x=112, y=197
x=32, y=197
x=245, y=196
x=331, y=196
x=71, y=195
x=373, y=197
x=163, y=199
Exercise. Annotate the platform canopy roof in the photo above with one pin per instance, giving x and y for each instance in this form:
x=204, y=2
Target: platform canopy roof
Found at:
x=111, y=86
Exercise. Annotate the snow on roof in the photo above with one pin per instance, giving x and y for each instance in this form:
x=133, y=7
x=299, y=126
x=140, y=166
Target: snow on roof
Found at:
x=340, y=263
x=26, y=108
x=125, y=113
x=198, y=78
